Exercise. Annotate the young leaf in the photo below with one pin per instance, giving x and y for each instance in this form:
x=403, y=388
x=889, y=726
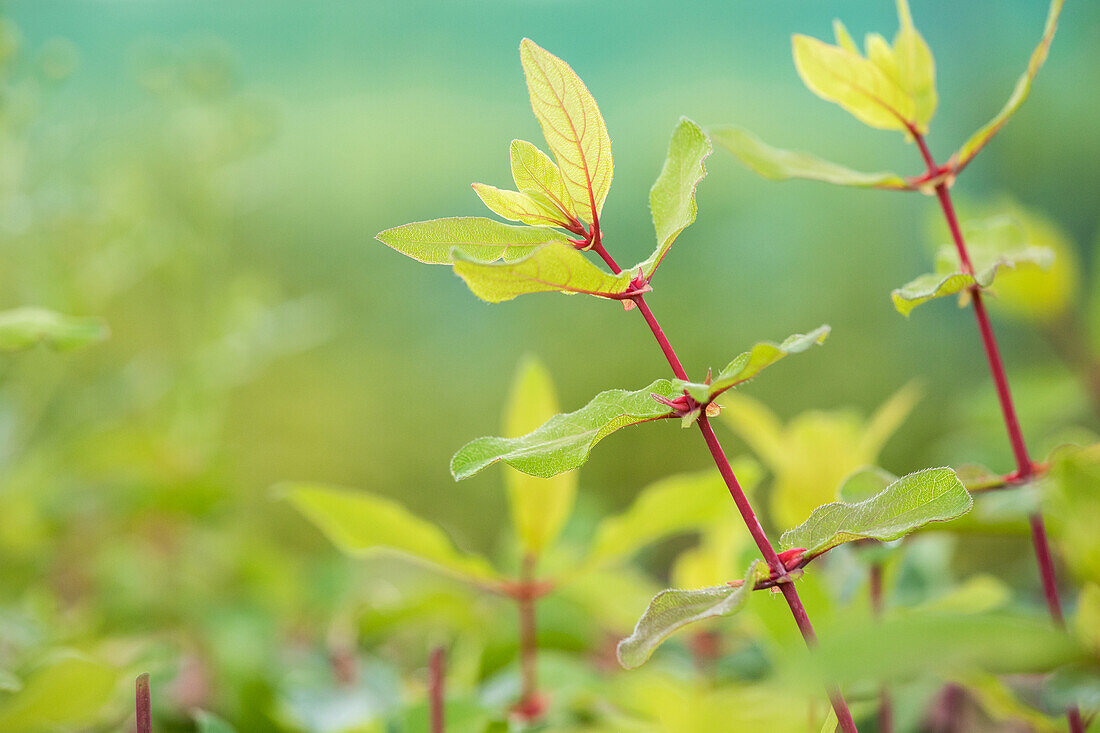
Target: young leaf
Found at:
x=672, y=505
x=750, y=363
x=435, y=242
x=673, y=609
x=537, y=175
x=855, y=83
x=540, y=507
x=69, y=692
x=916, y=70
x=22, y=328
x=979, y=139
x=931, y=495
x=564, y=441
x=519, y=206
x=553, y=267
x=573, y=126
x=672, y=198
x=781, y=165
x=362, y=525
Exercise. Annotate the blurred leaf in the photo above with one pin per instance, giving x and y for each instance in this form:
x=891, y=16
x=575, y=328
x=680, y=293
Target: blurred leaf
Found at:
x=436, y=242
x=748, y=364
x=535, y=174
x=715, y=558
x=975, y=477
x=209, y=723
x=1075, y=685
x=672, y=505
x=672, y=198
x=1004, y=706
x=564, y=441
x=553, y=267
x=931, y=495
x=1072, y=505
x=573, y=126
x=69, y=692
x=673, y=609
x=1086, y=622
x=540, y=507
x=1019, y=93
x=23, y=328
x=976, y=594
x=362, y=524
x=518, y=206
x=916, y=70
x=865, y=483
x=781, y=165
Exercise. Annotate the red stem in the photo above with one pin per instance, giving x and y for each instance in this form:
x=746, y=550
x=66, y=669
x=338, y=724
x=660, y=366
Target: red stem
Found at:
x=1024, y=466
x=436, y=671
x=528, y=641
x=143, y=707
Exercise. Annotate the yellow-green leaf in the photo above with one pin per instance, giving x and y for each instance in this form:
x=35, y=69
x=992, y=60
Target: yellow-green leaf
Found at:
x=540, y=506
x=574, y=128
x=537, y=175
x=553, y=267
x=363, y=525
x=916, y=69
x=68, y=692
x=436, y=241
x=518, y=206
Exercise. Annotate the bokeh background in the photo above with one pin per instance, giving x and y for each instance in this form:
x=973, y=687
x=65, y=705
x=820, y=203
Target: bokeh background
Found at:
x=208, y=177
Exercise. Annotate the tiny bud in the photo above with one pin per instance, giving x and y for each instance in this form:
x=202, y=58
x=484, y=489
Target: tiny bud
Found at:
x=713, y=409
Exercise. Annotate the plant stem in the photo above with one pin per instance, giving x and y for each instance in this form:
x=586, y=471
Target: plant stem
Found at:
x=528, y=640
x=885, y=704
x=143, y=705
x=436, y=672
x=790, y=594
x=1024, y=466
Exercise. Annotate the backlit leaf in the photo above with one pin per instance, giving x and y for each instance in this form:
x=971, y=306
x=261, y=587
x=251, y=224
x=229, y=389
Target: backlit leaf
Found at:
x=554, y=267
x=564, y=441
x=518, y=206
x=916, y=70
x=573, y=126
x=435, y=242
x=22, y=328
x=535, y=174
x=673, y=609
x=363, y=525
x=540, y=507
x=781, y=165
x=68, y=692
x=911, y=502
x=1019, y=93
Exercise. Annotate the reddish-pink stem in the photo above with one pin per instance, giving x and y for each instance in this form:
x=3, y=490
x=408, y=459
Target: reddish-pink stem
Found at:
x=1024, y=465
x=436, y=678
x=143, y=705
x=528, y=641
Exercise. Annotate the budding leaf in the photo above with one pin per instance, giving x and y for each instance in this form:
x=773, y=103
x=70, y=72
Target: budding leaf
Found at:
x=911, y=502
x=23, y=328
x=364, y=525
x=535, y=174
x=553, y=267
x=519, y=206
x=564, y=441
x=574, y=128
x=673, y=609
x=540, y=507
x=435, y=242
x=750, y=363
x=781, y=165
x=672, y=198
x=1019, y=93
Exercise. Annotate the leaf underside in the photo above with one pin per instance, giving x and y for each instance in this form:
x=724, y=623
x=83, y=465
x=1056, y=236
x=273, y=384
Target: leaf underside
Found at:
x=436, y=242
x=555, y=267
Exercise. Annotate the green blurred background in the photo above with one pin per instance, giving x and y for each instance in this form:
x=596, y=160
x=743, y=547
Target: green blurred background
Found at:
x=208, y=177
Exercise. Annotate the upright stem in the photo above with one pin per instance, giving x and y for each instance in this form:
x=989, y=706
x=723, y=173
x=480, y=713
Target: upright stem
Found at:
x=528, y=639
x=1024, y=466
x=885, y=704
x=436, y=672
x=143, y=705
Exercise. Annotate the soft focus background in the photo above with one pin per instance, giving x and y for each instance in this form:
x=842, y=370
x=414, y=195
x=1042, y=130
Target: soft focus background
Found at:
x=208, y=176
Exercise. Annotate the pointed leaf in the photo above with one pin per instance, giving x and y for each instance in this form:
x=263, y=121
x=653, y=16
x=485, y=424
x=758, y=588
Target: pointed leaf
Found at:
x=781, y=165
x=519, y=206
x=535, y=174
x=750, y=363
x=540, y=507
x=435, y=242
x=553, y=267
x=22, y=328
x=673, y=609
x=672, y=198
x=855, y=83
x=911, y=502
x=362, y=525
x=843, y=37
x=916, y=68
x=69, y=692
x=1019, y=93
x=573, y=126
x=564, y=441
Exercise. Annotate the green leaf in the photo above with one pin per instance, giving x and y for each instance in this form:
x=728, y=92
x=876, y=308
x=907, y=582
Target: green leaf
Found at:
x=672, y=505
x=979, y=139
x=911, y=502
x=564, y=441
x=553, y=267
x=23, y=328
x=209, y=723
x=673, y=609
x=537, y=175
x=69, y=692
x=916, y=70
x=750, y=363
x=865, y=483
x=672, y=198
x=857, y=84
x=519, y=206
x=362, y=525
x=573, y=126
x=540, y=507
x=436, y=242
x=781, y=165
